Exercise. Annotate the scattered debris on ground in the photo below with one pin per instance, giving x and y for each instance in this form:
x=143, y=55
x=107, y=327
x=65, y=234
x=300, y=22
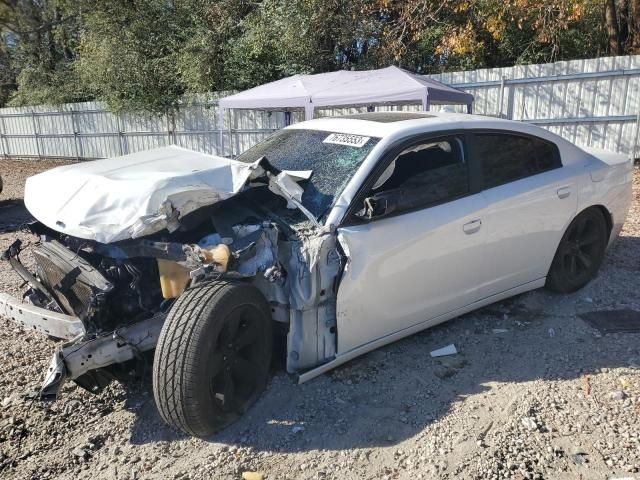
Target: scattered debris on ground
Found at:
x=444, y=351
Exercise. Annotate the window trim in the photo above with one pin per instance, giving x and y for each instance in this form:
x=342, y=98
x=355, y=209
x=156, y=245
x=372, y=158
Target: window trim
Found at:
x=490, y=131
x=473, y=169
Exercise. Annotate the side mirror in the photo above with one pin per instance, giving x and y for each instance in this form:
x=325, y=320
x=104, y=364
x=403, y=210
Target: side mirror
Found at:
x=377, y=206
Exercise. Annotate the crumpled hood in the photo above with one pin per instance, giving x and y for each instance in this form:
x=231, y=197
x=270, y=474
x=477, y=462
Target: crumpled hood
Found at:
x=134, y=195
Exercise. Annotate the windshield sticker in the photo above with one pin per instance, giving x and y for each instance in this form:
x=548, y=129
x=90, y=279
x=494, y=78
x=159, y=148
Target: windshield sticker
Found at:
x=357, y=141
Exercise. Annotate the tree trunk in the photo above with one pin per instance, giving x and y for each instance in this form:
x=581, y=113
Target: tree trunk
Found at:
x=622, y=7
x=634, y=26
x=613, y=31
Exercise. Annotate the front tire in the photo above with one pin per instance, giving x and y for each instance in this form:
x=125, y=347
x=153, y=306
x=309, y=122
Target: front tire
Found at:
x=580, y=252
x=213, y=355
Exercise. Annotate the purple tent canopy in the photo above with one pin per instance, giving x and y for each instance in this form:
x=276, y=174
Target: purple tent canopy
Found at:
x=390, y=86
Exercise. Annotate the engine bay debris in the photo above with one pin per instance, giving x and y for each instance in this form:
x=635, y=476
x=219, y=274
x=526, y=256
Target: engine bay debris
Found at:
x=130, y=237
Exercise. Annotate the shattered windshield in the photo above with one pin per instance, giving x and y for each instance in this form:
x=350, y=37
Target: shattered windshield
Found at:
x=333, y=157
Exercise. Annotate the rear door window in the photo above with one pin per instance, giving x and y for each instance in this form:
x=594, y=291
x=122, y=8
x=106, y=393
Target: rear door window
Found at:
x=506, y=157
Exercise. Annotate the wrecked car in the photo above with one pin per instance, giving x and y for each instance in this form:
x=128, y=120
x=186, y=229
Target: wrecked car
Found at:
x=339, y=234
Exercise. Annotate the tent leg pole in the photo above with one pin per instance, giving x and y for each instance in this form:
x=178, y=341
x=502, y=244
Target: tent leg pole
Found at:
x=229, y=118
x=221, y=131
x=308, y=111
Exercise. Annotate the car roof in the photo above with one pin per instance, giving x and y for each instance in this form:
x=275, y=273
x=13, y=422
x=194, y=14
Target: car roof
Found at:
x=384, y=124
x=388, y=117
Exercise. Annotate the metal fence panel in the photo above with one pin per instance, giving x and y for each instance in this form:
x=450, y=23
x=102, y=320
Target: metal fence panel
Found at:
x=98, y=146
x=592, y=102
x=207, y=142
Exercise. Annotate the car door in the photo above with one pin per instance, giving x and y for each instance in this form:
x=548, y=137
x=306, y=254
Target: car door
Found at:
x=414, y=243
x=531, y=198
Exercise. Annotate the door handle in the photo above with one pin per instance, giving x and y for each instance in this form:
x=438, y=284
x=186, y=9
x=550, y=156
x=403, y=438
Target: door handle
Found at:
x=564, y=192
x=472, y=227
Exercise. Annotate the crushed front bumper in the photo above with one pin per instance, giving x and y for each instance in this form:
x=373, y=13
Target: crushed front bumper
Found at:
x=51, y=323
x=81, y=354
x=85, y=355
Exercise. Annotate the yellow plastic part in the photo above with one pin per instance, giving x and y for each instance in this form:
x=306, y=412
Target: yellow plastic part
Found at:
x=174, y=278
x=219, y=255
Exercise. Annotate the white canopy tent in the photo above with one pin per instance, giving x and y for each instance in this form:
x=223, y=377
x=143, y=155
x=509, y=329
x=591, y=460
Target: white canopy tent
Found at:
x=387, y=86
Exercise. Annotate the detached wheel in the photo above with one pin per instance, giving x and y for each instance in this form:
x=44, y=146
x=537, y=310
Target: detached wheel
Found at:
x=212, y=358
x=580, y=253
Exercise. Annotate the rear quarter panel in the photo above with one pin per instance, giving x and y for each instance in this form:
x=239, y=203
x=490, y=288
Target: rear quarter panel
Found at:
x=608, y=182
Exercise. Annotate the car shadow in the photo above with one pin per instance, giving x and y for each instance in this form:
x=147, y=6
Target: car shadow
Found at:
x=398, y=391
x=13, y=215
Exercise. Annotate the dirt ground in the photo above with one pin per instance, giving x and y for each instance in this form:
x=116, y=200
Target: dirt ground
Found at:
x=534, y=392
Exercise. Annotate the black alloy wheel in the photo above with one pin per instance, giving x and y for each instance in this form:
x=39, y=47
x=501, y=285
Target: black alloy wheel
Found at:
x=213, y=356
x=236, y=362
x=580, y=252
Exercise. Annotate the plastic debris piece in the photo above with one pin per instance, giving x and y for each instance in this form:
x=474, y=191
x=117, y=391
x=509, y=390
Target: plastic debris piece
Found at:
x=444, y=351
x=579, y=458
x=586, y=386
x=500, y=330
x=252, y=476
x=530, y=423
x=552, y=333
x=617, y=395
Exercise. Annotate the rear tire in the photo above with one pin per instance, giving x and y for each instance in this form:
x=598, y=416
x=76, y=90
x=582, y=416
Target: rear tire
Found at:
x=580, y=252
x=213, y=355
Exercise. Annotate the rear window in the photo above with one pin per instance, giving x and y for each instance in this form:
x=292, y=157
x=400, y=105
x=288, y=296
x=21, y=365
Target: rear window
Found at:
x=506, y=158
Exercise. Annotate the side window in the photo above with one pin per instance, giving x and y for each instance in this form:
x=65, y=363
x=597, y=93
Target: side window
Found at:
x=422, y=175
x=506, y=158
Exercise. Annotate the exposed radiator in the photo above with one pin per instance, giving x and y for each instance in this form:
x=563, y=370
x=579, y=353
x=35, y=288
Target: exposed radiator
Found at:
x=76, y=284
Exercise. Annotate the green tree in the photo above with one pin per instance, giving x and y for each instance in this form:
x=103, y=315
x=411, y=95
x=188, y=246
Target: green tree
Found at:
x=7, y=76
x=285, y=37
x=129, y=53
x=38, y=52
x=145, y=55
x=213, y=28
x=452, y=34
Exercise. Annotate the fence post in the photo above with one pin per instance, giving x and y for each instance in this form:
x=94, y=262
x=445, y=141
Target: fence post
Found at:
x=636, y=138
x=171, y=127
x=120, y=134
x=229, y=118
x=510, y=97
x=76, y=140
x=501, y=99
x=3, y=137
x=219, y=119
x=36, y=133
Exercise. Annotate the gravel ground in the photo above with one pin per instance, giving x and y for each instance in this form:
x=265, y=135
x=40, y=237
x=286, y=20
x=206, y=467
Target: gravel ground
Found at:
x=535, y=392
